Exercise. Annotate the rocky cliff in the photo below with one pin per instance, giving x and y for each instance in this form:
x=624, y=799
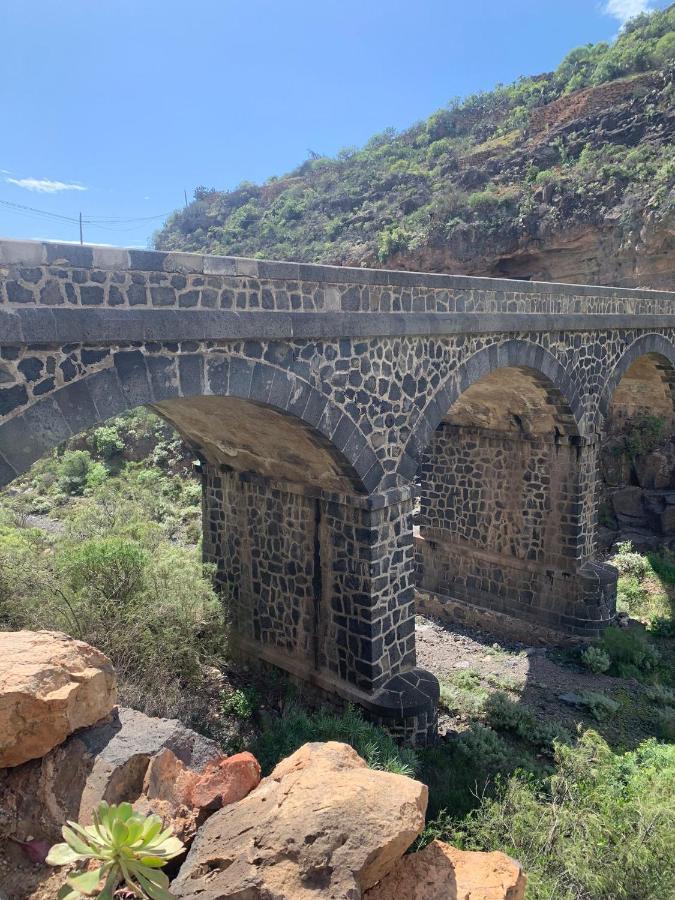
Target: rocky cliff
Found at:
x=566, y=176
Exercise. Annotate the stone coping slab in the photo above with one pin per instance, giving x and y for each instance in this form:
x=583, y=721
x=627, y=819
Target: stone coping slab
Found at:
x=40, y=253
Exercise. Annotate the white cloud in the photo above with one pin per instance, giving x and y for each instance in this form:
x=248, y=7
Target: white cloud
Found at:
x=45, y=185
x=623, y=10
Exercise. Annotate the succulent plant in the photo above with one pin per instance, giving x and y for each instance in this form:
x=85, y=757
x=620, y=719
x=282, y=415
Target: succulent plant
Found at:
x=130, y=848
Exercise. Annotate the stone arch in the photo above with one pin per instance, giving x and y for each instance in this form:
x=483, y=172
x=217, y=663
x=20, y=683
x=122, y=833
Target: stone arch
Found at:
x=539, y=362
x=139, y=379
x=654, y=345
x=505, y=519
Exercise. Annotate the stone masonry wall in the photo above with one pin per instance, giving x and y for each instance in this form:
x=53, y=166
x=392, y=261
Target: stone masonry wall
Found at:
x=261, y=541
x=503, y=493
x=501, y=526
x=53, y=275
x=321, y=584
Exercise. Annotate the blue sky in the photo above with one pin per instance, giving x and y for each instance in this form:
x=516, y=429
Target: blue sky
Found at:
x=115, y=107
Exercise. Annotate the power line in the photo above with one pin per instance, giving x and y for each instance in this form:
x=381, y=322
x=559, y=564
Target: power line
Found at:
x=97, y=221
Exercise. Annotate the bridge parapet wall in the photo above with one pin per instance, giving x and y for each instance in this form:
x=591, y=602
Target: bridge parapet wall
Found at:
x=54, y=275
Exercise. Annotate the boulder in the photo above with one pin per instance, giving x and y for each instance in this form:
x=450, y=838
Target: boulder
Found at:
x=441, y=872
x=184, y=798
x=321, y=825
x=106, y=762
x=654, y=470
x=50, y=686
x=628, y=507
x=225, y=781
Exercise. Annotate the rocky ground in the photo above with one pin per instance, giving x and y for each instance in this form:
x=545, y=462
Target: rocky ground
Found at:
x=543, y=680
x=322, y=824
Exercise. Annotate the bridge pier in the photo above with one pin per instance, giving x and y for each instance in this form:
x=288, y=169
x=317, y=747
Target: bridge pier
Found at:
x=321, y=584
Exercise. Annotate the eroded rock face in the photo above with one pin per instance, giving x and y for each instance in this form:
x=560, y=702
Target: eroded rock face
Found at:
x=185, y=798
x=106, y=762
x=441, y=872
x=321, y=825
x=50, y=685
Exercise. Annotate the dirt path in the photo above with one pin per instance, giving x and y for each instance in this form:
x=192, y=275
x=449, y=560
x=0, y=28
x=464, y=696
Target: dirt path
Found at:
x=532, y=677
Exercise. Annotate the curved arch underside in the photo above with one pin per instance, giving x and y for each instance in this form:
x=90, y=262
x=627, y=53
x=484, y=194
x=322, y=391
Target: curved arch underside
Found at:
x=655, y=351
x=516, y=400
x=262, y=419
x=647, y=387
x=250, y=437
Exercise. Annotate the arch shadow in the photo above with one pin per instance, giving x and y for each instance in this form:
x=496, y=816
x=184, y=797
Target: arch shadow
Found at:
x=509, y=354
x=645, y=345
x=136, y=379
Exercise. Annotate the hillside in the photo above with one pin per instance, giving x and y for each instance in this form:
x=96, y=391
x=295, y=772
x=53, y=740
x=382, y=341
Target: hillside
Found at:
x=565, y=176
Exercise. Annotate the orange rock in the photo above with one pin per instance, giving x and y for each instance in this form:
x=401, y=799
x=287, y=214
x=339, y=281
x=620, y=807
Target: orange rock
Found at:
x=50, y=685
x=185, y=798
x=441, y=872
x=322, y=825
x=225, y=781
x=168, y=779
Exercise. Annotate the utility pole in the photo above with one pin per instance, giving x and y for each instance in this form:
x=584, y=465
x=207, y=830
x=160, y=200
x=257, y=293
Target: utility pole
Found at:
x=81, y=241
x=185, y=195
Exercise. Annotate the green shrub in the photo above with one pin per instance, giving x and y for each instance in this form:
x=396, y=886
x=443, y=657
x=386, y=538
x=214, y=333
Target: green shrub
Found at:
x=660, y=694
x=644, y=435
x=282, y=736
x=596, y=660
x=395, y=239
x=108, y=568
x=664, y=50
x=73, y=469
x=107, y=441
x=148, y=604
x=631, y=654
x=628, y=562
x=503, y=714
x=599, y=827
x=599, y=705
x=632, y=597
x=23, y=574
x=240, y=703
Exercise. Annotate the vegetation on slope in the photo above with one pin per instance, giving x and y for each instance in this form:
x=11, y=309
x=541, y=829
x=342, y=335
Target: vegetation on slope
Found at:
x=105, y=549
x=100, y=540
x=477, y=176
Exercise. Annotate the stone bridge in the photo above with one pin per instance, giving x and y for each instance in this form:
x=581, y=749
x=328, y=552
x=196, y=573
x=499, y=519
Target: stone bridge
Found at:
x=325, y=403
